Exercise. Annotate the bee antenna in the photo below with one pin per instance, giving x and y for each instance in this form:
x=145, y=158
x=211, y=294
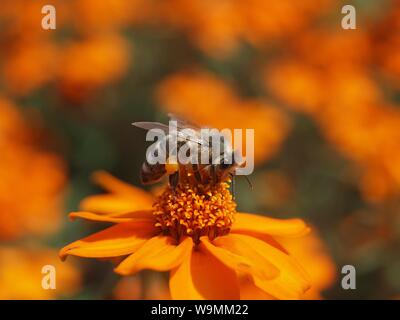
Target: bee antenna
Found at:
x=249, y=182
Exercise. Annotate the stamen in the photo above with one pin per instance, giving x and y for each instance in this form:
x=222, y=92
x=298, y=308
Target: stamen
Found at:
x=195, y=211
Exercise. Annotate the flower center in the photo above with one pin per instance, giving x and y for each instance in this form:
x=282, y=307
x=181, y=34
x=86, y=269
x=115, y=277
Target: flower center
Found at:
x=195, y=211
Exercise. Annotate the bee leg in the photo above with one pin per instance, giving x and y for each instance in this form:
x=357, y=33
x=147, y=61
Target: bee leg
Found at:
x=249, y=182
x=196, y=172
x=174, y=180
x=213, y=174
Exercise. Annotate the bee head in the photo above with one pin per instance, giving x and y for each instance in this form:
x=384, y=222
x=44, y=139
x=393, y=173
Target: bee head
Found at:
x=230, y=166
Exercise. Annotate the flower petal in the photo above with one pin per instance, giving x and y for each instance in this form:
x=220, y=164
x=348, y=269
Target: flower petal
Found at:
x=292, y=280
x=202, y=276
x=248, y=262
x=114, y=203
x=114, y=185
x=251, y=223
x=124, y=197
x=249, y=291
x=121, y=239
x=115, y=218
x=159, y=253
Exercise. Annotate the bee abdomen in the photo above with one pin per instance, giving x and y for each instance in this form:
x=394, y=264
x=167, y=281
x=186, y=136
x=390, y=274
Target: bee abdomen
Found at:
x=151, y=173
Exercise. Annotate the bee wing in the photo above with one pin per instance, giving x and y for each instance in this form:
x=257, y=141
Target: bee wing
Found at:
x=182, y=123
x=181, y=135
x=151, y=125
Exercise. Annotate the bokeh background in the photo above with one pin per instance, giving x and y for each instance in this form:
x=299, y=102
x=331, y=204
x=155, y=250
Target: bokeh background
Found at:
x=324, y=103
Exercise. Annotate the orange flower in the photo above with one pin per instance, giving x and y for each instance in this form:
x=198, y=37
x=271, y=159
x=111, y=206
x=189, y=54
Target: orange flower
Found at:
x=23, y=19
x=29, y=55
x=211, y=25
x=266, y=20
x=339, y=89
x=91, y=64
x=350, y=109
x=289, y=81
x=387, y=45
x=210, y=249
x=92, y=16
x=29, y=65
x=21, y=274
x=199, y=96
x=30, y=204
x=218, y=26
x=34, y=57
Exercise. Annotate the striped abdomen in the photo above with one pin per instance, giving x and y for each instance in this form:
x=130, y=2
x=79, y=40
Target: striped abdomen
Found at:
x=151, y=173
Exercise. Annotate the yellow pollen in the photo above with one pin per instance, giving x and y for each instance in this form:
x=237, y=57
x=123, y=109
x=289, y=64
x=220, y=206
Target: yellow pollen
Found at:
x=195, y=211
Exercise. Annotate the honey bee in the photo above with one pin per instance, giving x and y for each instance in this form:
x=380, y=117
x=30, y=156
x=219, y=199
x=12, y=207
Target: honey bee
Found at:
x=219, y=166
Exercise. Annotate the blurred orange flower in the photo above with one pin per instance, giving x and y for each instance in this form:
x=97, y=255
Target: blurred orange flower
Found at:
x=337, y=89
x=31, y=203
x=91, y=16
x=217, y=27
x=30, y=65
x=386, y=45
x=33, y=57
x=28, y=53
x=265, y=20
x=21, y=274
x=190, y=242
x=211, y=25
x=290, y=80
x=22, y=19
x=208, y=101
x=91, y=64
